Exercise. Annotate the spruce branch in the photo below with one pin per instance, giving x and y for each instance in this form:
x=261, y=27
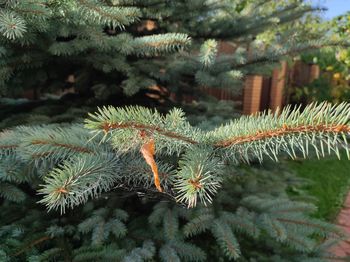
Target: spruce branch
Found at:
x=154, y=45
x=139, y=135
x=170, y=224
x=167, y=253
x=315, y=226
x=107, y=15
x=242, y=221
x=226, y=239
x=208, y=52
x=273, y=227
x=12, y=26
x=199, y=224
x=75, y=180
x=54, y=142
x=322, y=126
x=33, y=8
x=197, y=179
x=300, y=243
x=109, y=252
x=11, y=169
x=32, y=244
x=275, y=54
x=8, y=142
x=52, y=253
x=268, y=133
x=188, y=251
x=146, y=252
x=280, y=206
x=11, y=192
x=141, y=150
x=126, y=126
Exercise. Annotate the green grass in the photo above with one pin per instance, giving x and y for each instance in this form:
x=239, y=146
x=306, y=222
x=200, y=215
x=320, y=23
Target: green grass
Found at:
x=330, y=183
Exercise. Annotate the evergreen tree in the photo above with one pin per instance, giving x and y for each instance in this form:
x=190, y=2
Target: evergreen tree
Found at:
x=132, y=184
x=135, y=149
x=112, y=45
x=102, y=43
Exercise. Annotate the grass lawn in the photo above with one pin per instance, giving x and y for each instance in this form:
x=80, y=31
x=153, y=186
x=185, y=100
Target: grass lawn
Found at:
x=330, y=183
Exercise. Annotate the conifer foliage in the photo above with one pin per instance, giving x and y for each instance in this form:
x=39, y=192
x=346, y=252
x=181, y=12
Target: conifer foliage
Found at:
x=81, y=38
x=134, y=184
x=113, y=45
x=78, y=163
x=121, y=136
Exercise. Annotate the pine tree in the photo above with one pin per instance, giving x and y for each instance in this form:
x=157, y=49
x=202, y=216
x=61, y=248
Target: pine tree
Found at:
x=133, y=184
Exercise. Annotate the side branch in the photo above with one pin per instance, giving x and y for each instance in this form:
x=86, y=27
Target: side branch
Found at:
x=8, y=146
x=285, y=130
x=36, y=242
x=277, y=58
x=156, y=44
x=100, y=11
x=34, y=12
x=67, y=146
x=108, y=126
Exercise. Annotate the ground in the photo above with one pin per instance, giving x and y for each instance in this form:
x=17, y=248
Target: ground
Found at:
x=329, y=183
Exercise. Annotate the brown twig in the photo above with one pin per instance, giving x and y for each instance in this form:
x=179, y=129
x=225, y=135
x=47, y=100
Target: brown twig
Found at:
x=8, y=146
x=36, y=242
x=68, y=146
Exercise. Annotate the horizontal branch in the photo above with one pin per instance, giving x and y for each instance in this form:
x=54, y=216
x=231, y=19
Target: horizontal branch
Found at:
x=276, y=58
x=285, y=130
x=308, y=224
x=102, y=12
x=163, y=43
x=36, y=242
x=8, y=146
x=41, y=155
x=68, y=146
x=36, y=12
x=108, y=126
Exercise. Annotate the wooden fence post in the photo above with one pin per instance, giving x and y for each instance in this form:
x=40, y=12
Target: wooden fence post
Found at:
x=278, y=82
x=314, y=73
x=265, y=93
x=252, y=94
